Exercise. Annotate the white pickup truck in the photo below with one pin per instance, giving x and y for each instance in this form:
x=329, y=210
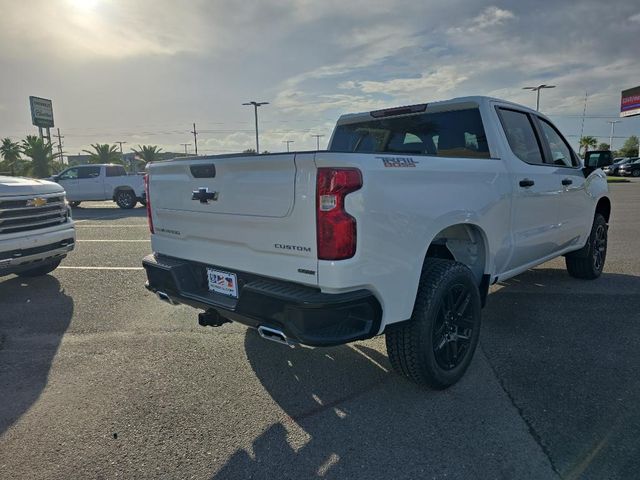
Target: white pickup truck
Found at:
x=36, y=229
x=399, y=228
x=101, y=182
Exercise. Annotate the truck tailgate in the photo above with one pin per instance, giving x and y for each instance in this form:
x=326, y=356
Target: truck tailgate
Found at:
x=252, y=213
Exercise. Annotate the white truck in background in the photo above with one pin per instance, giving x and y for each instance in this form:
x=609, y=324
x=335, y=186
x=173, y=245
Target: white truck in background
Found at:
x=398, y=229
x=101, y=182
x=36, y=229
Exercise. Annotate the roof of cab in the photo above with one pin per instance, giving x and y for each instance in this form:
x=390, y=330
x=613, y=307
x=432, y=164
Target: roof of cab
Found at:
x=462, y=102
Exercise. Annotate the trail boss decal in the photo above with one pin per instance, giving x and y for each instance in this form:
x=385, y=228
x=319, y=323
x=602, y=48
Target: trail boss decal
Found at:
x=398, y=162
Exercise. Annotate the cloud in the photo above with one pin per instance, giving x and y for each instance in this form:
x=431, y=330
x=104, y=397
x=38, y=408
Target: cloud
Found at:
x=437, y=82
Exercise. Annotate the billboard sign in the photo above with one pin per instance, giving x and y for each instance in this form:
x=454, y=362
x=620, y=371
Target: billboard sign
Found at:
x=630, y=104
x=41, y=112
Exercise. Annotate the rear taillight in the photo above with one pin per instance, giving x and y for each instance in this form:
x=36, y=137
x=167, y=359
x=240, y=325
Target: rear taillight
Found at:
x=336, y=229
x=148, y=200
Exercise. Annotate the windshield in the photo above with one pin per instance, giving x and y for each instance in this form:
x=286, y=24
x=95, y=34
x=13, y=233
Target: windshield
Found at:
x=457, y=133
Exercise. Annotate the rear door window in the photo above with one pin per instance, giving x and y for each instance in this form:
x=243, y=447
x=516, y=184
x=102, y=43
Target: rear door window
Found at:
x=521, y=136
x=116, y=171
x=456, y=133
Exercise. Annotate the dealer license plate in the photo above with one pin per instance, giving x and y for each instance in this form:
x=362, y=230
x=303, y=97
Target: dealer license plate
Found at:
x=222, y=282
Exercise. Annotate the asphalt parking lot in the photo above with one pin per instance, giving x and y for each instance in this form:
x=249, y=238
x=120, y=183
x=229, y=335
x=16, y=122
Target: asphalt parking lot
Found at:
x=99, y=379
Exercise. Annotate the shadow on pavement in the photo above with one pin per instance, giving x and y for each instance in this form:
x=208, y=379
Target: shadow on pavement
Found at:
x=349, y=416
x=567, y=351
x=34, y=315
x=87, y=212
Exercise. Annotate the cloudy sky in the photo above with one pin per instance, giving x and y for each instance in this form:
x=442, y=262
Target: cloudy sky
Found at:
x=142, y=71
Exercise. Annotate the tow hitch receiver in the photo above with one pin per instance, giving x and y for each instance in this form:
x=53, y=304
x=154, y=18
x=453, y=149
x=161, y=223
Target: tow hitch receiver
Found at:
x=211, y=318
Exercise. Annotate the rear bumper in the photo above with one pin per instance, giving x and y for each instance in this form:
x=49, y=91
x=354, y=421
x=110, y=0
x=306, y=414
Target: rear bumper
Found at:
x=23, y=253
x=304, y=314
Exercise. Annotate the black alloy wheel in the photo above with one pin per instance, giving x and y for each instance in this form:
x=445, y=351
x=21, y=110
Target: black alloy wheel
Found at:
x=453, y=327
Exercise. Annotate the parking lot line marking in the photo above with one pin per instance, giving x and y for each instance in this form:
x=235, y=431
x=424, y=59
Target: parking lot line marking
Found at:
x=114, y=241
x=100, y=268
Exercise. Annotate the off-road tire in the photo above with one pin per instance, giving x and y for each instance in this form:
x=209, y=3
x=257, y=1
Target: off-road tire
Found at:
x=411, y=345
x=40, y=270
x=126, y=199
x=588, y=262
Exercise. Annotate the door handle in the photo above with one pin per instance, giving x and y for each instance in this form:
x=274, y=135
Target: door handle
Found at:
x=567, y=181
x=527, y=183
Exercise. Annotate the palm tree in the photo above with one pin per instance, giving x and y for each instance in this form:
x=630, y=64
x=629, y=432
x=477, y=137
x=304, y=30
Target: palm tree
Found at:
x=104, y=153
x=588, y=142
x=41, y=155
x=10, y=152
x=147, y=153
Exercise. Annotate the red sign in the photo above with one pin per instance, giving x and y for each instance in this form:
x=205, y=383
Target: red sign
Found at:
x=630, y=103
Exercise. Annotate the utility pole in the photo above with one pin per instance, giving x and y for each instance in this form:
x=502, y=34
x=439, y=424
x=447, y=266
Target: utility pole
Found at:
x=185, y=145
x=122, y=154
x=613, y=127
x=537, y=90
x=195, y=138
x=59, y=137
x=255, y=111
x=318, y=137
x=288, y=142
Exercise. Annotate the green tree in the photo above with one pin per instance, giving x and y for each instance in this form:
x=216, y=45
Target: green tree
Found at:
x=104, y=153
x=41, y=155
x=588, y=142
x=603, y=146
x=10, y=152
x=147, y=153
x=630, y=147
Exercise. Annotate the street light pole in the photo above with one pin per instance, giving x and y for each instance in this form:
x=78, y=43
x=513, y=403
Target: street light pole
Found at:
x=318, y=137
x=255, y=110
x=613, y=127
x=185, y=145
x=288, y=142
x=537, y=90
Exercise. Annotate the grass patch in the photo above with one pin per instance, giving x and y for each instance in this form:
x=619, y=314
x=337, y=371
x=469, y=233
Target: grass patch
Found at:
x=617, y=180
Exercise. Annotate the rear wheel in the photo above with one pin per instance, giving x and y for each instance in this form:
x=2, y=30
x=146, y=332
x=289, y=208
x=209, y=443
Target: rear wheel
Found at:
x=40, y=269
x=126, y=199
x=436, y=346
x=588, y=262
x=636, y=173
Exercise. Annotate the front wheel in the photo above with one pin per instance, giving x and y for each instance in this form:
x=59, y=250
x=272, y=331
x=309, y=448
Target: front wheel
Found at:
x=126, y=199
x=636, y=173
x=40, y=269
x=588, y=262
x=74, y=204
x=436, y=345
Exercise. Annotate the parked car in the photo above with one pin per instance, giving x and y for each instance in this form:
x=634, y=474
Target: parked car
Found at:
x=398, y=229
x=614, y=169
x=101, y=182
x=36, y=229
x=631, y=169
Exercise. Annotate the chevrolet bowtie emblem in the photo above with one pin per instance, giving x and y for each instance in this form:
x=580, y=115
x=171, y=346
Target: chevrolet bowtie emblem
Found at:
x=36, y=202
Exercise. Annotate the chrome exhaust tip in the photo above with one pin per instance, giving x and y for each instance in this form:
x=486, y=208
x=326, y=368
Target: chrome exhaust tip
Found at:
x=274, y=335
x=165, y=298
